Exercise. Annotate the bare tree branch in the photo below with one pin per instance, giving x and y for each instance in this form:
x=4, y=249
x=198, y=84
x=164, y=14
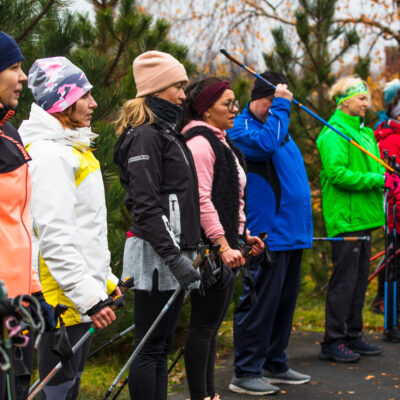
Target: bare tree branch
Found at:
x=264, y=13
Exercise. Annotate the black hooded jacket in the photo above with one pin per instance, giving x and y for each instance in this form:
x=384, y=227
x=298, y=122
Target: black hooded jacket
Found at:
x=158, y=173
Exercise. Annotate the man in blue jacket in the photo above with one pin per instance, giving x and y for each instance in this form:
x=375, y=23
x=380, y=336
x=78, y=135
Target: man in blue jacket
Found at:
x=278, y=202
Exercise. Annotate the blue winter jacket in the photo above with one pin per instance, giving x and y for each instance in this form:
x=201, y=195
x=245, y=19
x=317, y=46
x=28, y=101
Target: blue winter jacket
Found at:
x=278, y=192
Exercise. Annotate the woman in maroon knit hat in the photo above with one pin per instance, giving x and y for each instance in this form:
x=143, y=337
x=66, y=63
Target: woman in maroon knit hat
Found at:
x=210, y=109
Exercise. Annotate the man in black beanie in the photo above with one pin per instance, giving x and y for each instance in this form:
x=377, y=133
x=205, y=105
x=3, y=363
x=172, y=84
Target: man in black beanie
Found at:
x=279, y=203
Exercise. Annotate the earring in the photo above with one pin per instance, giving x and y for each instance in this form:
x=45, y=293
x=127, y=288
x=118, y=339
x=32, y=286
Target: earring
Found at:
x=207, y=115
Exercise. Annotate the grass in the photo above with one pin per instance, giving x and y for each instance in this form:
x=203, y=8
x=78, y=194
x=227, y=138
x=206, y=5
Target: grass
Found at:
x=101, y=370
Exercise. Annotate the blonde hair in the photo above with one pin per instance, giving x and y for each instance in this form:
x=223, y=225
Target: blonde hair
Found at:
x=341, y=85
x=134, y=112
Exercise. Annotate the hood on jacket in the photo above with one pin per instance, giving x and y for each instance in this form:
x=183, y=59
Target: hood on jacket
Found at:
x=43, y=126
x=387, y=128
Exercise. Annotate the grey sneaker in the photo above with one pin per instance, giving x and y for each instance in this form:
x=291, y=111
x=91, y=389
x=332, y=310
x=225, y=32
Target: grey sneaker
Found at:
x=290, y=377
x=253, y=385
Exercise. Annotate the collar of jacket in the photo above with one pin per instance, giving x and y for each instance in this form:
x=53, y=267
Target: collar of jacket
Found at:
x=6, y=113
x=355, y=123
x=250, y=113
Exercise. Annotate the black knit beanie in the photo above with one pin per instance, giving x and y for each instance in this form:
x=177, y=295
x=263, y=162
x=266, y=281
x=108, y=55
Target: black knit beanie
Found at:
x=261, y=89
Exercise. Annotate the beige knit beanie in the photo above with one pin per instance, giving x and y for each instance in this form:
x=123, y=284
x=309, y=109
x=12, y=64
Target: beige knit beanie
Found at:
x=154, y=71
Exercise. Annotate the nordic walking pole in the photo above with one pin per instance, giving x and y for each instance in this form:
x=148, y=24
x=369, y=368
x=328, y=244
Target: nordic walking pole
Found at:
x=387, y=260
x=394, y=255
x=197, y=262
x=307, y=110
x=38, y=386
x=381, y=265
x=377, y=256
x=115, y=338
x=394, y=262
x=343, y=239
x=59, y=365
x=124, y=286
x=142, y=342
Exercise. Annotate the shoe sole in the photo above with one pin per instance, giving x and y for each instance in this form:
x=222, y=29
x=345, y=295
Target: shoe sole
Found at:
x=368, y=353
x=286, y=381
x=329, y=357
x=240, y=390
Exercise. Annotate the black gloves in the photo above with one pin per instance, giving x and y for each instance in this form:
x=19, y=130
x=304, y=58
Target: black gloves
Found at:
x=47, y=311
x=183, y=270
x=101, y=304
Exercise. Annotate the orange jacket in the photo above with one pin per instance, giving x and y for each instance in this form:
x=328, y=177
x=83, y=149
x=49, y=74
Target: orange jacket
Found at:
x=15, y=219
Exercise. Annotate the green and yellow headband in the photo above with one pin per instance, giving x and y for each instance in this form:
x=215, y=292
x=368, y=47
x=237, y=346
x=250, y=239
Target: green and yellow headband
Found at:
x=352, y=91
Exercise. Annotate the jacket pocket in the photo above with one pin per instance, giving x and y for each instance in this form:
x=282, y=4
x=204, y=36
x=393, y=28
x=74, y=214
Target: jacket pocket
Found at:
x=175, y=216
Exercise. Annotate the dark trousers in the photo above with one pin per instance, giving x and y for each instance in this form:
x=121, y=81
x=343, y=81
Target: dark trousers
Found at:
x=61, y=386
x=22, y=364
x=148, y=375
x=347, y=287
x=261, y=332
x=207, y=314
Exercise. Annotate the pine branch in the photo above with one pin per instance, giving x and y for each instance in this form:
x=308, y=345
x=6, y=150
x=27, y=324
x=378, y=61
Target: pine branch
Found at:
x=35, y=21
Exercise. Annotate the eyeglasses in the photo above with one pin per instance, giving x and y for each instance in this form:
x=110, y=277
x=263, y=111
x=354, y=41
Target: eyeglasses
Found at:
x=231, y=105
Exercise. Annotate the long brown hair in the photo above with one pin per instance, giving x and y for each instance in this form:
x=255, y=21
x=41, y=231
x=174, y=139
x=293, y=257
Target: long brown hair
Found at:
x=65, y=118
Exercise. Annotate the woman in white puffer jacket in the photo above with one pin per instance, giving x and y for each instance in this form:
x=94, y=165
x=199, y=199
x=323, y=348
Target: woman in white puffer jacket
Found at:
x=68, y=211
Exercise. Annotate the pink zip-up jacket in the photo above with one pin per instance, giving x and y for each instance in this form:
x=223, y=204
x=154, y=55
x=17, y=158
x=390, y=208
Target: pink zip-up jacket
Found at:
x=204, y=159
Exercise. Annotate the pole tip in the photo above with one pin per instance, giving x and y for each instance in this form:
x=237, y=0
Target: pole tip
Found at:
x=224, y=52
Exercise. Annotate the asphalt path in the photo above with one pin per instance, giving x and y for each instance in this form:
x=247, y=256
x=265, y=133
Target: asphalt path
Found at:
x=372, y=378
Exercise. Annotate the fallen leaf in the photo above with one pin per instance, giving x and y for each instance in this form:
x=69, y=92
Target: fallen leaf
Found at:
x=369, y=377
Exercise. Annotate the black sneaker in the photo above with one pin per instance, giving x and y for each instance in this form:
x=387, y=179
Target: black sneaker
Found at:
x=392, y=335
x=361, y=346
x=338, y=351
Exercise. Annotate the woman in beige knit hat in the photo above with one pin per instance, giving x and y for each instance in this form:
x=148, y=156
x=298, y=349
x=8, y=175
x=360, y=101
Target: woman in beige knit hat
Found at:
x=157, y=171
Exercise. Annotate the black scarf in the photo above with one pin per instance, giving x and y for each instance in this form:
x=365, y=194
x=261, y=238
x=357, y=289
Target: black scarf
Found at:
x=164, y=110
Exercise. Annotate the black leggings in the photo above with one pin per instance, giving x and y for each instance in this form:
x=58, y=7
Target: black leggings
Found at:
x=207, y=315
x=148, y=375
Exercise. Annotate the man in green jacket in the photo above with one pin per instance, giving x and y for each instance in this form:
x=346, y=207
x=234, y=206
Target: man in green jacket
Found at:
x=352, y=205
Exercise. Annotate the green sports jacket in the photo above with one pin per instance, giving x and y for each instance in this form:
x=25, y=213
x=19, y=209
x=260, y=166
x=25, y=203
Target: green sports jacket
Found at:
x=351, y=181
